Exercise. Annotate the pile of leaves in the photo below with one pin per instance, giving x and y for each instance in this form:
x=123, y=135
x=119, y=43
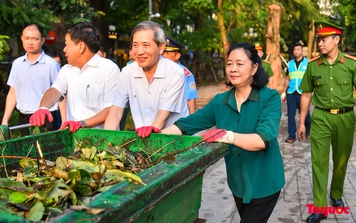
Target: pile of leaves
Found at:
x=41, y=189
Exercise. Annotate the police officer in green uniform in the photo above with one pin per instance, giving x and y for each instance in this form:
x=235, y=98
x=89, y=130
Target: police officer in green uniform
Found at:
x=331, y=77
x=265, y=63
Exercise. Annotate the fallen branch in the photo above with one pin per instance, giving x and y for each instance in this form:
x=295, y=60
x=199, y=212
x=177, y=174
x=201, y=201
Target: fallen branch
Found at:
x=41, y=155
x=182, y=150
x=16, y=157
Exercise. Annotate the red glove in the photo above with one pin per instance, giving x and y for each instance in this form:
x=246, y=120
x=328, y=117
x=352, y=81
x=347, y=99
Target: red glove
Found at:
x=145, y=131
x=73, y=125
x=39, y=117
x=219, y=135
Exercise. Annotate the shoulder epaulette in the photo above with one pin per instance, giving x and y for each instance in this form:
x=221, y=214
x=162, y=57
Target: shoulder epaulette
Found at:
x=313, y=59
x=267, y=61
x=350, y=57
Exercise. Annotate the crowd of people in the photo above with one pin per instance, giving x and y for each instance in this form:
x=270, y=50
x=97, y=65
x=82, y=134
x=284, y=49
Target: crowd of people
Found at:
x=91, y=91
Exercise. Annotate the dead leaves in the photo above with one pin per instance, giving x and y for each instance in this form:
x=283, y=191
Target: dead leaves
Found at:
x=42, y=189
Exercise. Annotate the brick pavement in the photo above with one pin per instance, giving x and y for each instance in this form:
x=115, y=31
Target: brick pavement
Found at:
x=218, y=204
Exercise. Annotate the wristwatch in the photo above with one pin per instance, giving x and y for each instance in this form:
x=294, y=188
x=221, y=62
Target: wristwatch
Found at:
x=84, y=125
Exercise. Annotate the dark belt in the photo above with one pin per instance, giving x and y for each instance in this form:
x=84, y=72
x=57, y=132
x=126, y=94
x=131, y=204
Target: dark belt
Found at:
x=336, y=111
x=27, y=116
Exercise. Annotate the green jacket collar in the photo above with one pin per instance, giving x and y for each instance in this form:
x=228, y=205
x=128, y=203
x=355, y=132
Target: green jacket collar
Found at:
x=231, y=100
x=340, y=58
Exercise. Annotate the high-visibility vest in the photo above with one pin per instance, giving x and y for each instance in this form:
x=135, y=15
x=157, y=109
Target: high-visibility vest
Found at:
x=296, y=75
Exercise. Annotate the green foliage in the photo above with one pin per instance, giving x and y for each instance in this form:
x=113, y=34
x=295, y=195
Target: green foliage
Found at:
x=125, y=14
x=14, y=14
x=4, y=47
x=199, y=5
x=347, y=10
x=296, y=18
x=179, y=18
x=74, y=11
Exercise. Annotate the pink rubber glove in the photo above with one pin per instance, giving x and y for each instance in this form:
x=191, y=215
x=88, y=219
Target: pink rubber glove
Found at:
x=39, y=117
x=73, y=125
x=219, y=135
x=145, y=131
x=283, y=97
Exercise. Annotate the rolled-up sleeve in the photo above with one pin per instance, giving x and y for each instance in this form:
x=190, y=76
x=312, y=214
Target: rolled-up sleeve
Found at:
x=269, y=120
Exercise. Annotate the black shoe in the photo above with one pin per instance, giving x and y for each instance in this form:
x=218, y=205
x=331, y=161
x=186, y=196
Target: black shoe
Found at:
x=337, y=203
x=316, y=217
x=290, y=139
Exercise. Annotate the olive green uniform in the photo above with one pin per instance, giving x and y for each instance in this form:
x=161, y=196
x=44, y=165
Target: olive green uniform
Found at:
x=267, y=67
x=332, y=85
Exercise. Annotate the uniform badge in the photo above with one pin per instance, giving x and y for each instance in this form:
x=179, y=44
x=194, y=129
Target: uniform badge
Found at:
x=350, y=57
x=187, y=72
x=192, y=86
x=320, y=27
x=320, y=61
x=342, y=60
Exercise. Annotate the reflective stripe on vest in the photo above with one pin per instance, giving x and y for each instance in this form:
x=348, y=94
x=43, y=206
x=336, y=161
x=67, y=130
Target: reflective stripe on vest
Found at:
x=296, y=75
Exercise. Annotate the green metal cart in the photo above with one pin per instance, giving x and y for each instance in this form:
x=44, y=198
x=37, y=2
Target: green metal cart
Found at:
x=173, y=190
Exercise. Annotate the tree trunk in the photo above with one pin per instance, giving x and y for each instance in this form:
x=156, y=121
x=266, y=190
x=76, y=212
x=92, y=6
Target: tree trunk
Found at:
x=222, y=29
x=273, y=46
x=311, y=45
x=195, y=67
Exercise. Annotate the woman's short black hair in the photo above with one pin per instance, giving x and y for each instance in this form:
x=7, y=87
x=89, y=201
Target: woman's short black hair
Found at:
x=260, y=79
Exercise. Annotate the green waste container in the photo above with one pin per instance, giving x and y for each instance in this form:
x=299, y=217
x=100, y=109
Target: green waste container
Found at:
x=172, y=192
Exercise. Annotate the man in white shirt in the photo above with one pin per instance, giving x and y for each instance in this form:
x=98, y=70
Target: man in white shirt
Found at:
x=87, y=82
x=30, y=76
x=153, y=85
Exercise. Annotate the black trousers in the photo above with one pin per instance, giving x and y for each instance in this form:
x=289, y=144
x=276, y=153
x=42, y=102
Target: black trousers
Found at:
x=123, y=119
x=50, y=126
x=258, y=210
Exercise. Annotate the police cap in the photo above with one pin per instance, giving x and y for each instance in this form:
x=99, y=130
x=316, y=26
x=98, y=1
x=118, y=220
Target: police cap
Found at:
x=172, y=45
x=325, y=28
x=258, y=45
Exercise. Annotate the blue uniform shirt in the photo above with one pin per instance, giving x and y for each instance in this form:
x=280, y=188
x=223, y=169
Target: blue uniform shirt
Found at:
x=31, y=81
x=190, y=86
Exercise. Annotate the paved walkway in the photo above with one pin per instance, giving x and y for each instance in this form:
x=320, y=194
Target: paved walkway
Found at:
x=218, y=204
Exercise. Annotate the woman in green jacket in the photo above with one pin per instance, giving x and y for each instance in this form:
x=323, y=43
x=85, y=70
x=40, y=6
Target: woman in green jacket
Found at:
x=247, y=117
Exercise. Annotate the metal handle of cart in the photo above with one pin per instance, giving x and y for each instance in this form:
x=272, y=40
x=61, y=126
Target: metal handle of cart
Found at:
x=5, y=130
x=16, y=127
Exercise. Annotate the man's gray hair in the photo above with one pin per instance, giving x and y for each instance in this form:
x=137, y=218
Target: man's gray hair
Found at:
x=159, y=35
